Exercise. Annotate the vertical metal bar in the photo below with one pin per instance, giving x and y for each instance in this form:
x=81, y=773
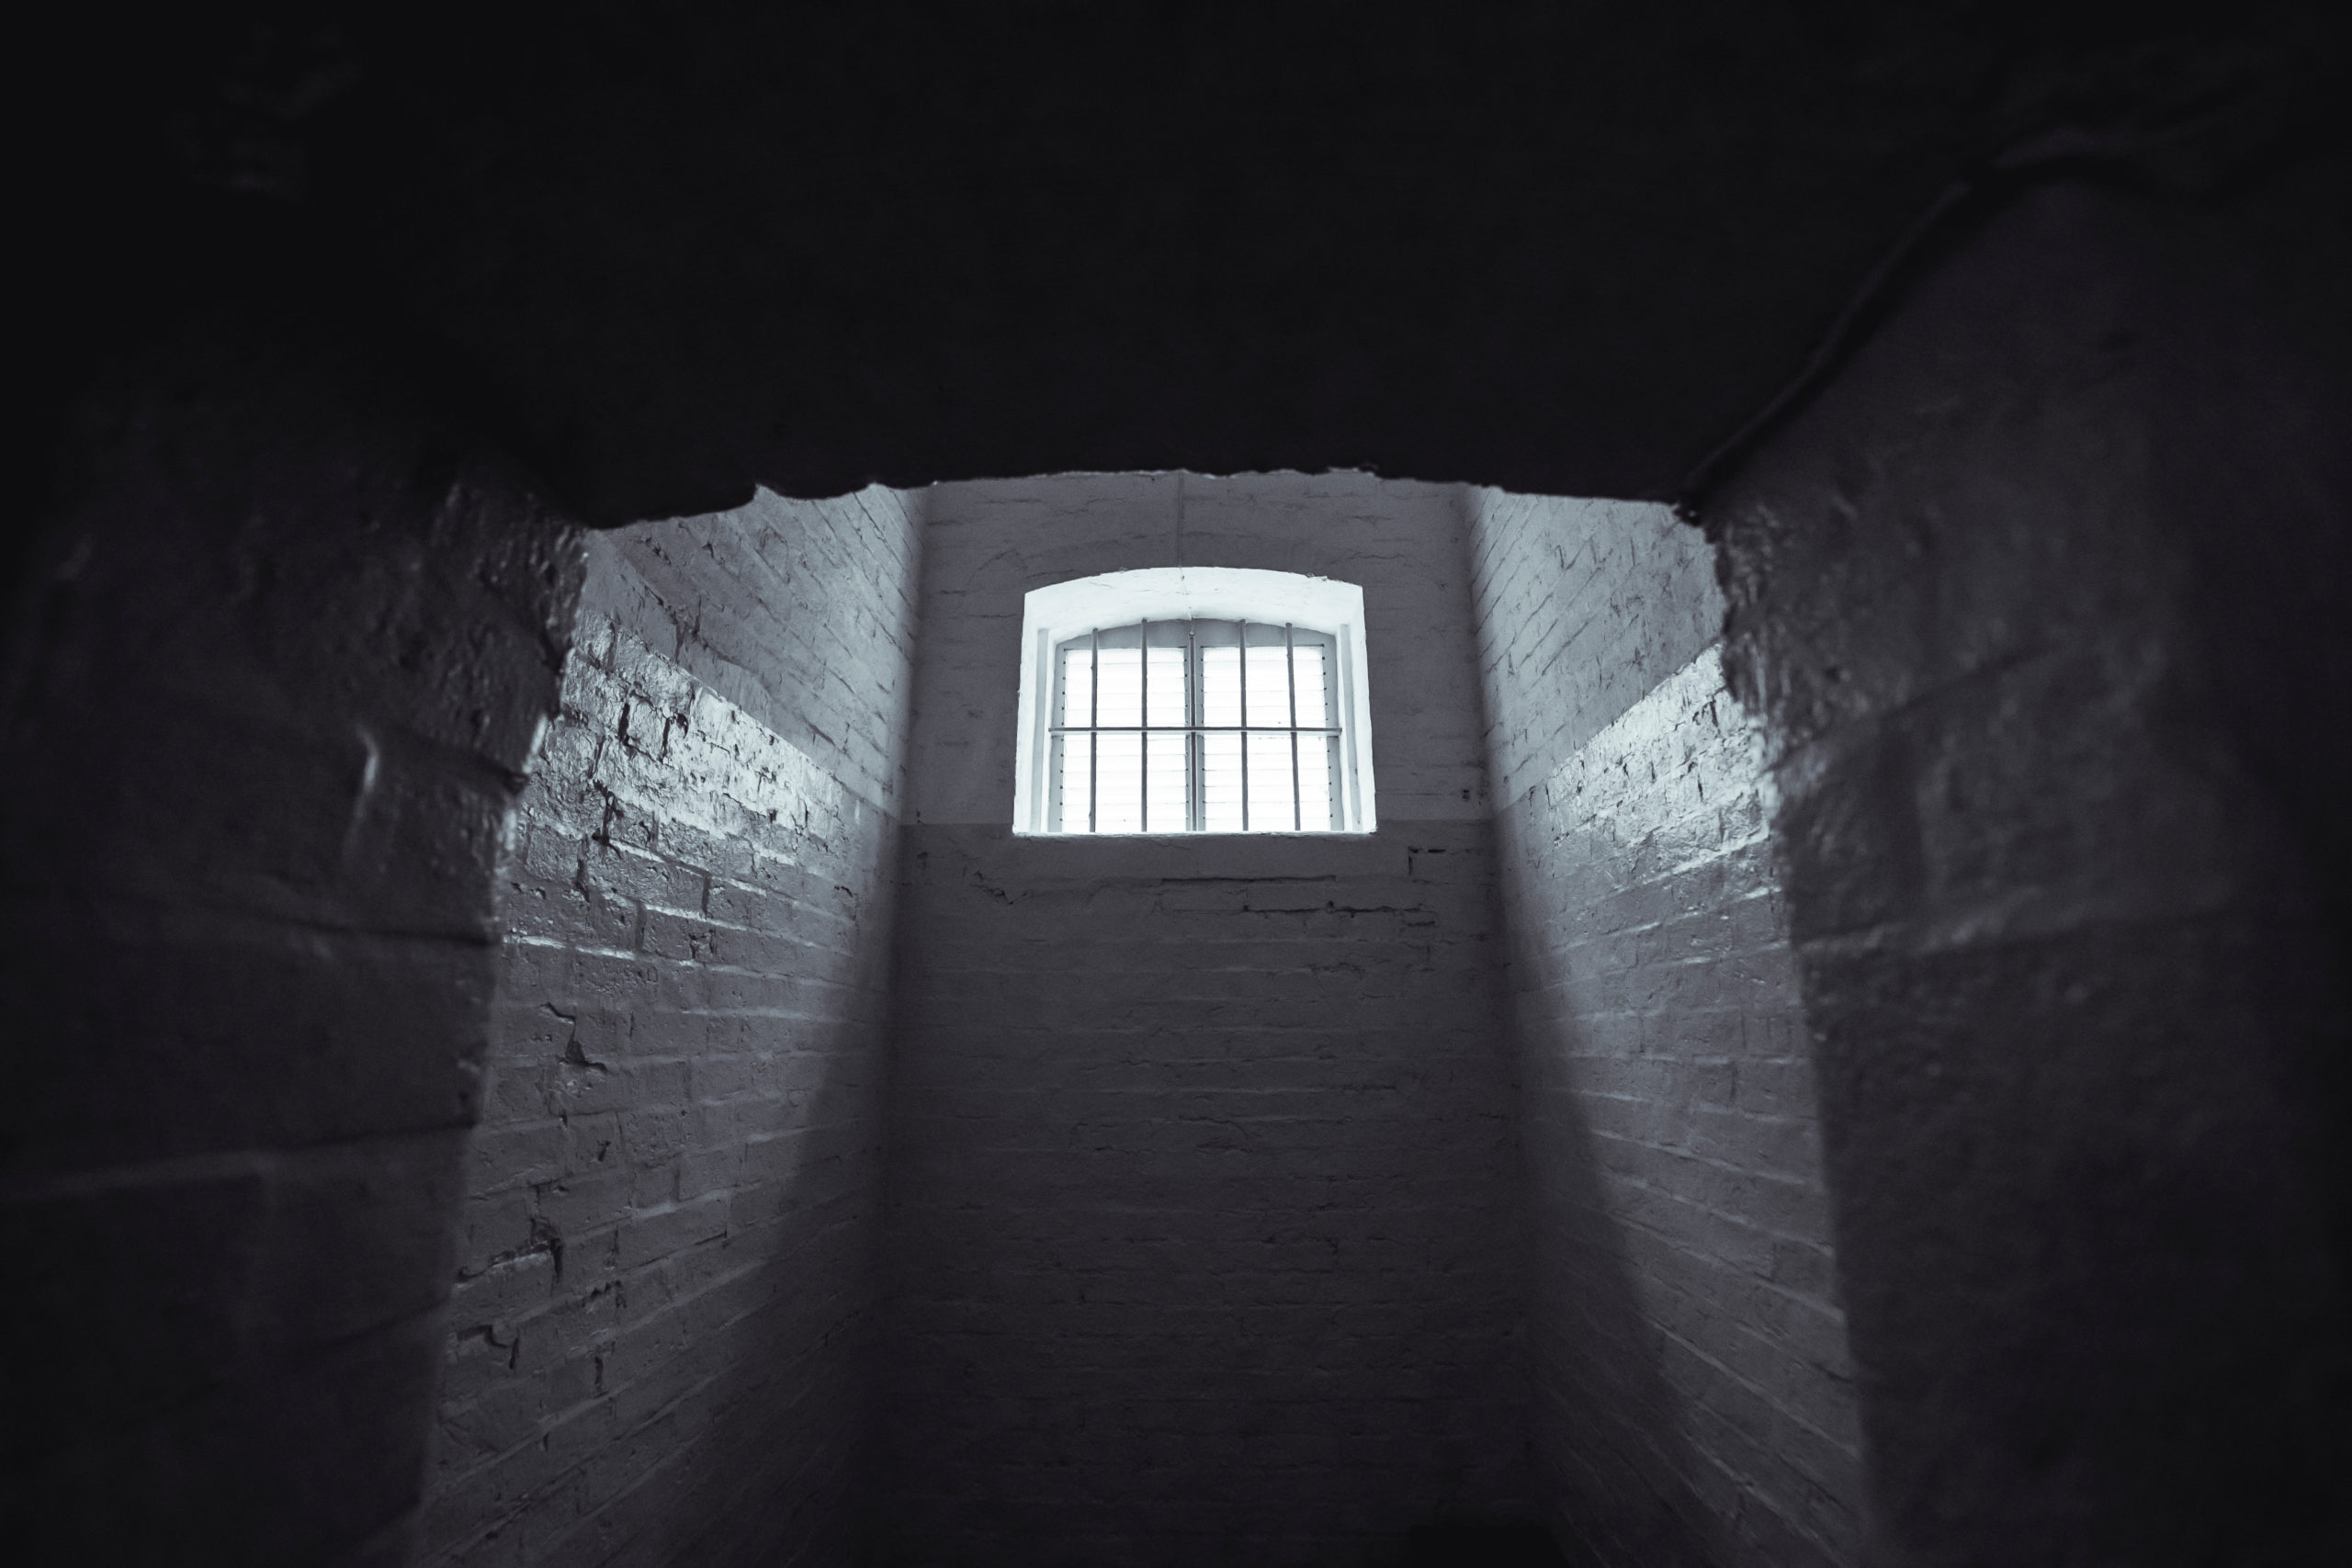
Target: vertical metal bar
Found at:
x=1143, y=653
x=1244, y=661
x=1290, y=661
x=1093, y=727
x=1195, y=765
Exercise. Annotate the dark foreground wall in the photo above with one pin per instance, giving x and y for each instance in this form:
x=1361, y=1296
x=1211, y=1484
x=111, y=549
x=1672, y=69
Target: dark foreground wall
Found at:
x=268, y=694
x=660, y=1342
x=2042, y=604
x=1204, y=1223
x=1694, y=1397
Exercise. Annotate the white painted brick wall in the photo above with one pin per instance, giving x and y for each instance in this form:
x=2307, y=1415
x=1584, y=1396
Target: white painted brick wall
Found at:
x=1206, y=1233
x=1583, y=607
x=665, y=1293
x=1696, y=1397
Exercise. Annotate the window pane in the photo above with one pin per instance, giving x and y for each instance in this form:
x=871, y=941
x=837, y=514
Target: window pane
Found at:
x=1164, y=649
x=1078, y=685
x=1220, y=685
x=1221, y=781
x=1169, y=700
x=1168, y=778
x=1118, y=781
x=1167, y=759
x=1119, y=679
x=1270, y=782
x=1071, y=755
x=1315, y=780
x=1269, y=684
x=1314, y=693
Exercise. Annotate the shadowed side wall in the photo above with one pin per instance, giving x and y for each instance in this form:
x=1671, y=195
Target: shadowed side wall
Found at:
x=288, y=642
x=1694, y=1396
x=660, y=1346
x=1205, y=1222
x=2044, y=605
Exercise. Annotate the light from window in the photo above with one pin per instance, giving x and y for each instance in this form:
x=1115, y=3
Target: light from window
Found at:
x=1200, y=727
x=1193, y=700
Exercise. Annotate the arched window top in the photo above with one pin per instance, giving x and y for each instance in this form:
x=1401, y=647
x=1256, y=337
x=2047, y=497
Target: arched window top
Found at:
x=1193, y=700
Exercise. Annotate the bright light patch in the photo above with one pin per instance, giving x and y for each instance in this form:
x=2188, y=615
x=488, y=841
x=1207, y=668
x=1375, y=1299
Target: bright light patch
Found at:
x=1199, y=722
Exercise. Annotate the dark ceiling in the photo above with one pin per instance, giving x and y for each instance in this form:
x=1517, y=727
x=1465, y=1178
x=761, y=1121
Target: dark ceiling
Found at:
x=670, y=252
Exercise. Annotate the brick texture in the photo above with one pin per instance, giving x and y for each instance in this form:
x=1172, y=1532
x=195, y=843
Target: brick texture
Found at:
x=1205, y=1239
x=2014, y=597
x=660, y=1346
x=1583, y=608
x=1695, y=1403
x=286, y=646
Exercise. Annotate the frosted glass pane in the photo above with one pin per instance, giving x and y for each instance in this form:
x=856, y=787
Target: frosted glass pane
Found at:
x=1070, y=754
x=1077, y=686
x=1119, y=679
x=1167, y=698
x=1269, y=691
x=1315, y=778
x=1270, y=782
x=1314, y=688
x=1221, y=783
x=1167, y=695
x=1168, y=778
x=1118, y=783
x=1221, y=686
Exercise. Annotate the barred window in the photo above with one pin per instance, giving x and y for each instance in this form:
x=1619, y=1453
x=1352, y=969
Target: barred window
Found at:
x=1196, y=726
x=1193, y=700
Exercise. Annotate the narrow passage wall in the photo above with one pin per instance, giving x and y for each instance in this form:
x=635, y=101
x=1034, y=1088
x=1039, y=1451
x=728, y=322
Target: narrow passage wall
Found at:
x=2043, y=603
x=661, y=1337
x=1693, y=1398
x=1204, y=1238
x=285, y=645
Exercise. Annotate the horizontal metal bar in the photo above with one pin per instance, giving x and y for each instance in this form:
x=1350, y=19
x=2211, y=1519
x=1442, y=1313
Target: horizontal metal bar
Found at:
x=1191, y=729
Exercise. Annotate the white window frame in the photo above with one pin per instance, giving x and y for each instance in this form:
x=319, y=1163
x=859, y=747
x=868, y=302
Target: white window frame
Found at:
x=1051, y=615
